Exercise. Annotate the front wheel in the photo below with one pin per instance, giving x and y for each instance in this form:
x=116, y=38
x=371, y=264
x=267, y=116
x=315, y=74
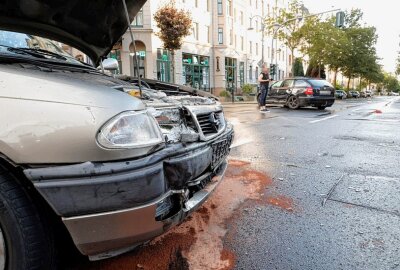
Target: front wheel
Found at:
x=25, y=244
x=293, y=102
x=321, y=108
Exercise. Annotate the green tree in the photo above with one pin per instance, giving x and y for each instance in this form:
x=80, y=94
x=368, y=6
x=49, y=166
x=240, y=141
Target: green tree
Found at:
x=174, y=25
x=390, y=82
x=398, y=65
x=289, y=32
x=298, y=69
x=324, y=43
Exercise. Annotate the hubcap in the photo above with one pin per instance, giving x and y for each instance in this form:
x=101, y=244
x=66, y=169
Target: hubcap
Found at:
x=2, y=251
x=292, y=102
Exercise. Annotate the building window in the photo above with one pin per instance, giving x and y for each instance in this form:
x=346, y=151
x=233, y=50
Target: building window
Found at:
x=256, y=48
x=163, y=65
x=219, y=7
x=242, y=43
x=230, y=74
x=251, y=73
x=251, y=47
x=231, y=37
x=196, y=3
x=220, y=36
x=196, y=71
x=256, y=26
x=138, y=20
x=196, y=31
x=208, y=5
x=256, y=3
x=241, y=18
x=229, y=7
x=208, y=34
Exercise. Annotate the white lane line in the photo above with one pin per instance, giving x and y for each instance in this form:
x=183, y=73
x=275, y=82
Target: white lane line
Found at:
x=356, y=110
x=323, y=119
x=240, y=143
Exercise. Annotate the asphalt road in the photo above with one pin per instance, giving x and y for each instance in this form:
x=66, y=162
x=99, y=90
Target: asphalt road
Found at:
x=337, y=170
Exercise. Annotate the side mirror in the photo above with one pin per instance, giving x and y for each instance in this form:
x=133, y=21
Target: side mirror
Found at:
x=110, y=64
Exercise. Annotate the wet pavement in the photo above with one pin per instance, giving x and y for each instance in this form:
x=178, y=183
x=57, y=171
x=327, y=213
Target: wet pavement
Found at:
x=338, y=174
x=305, y=189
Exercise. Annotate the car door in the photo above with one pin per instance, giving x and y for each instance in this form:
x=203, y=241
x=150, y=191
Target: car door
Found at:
x=273, y=91
x=284, y=90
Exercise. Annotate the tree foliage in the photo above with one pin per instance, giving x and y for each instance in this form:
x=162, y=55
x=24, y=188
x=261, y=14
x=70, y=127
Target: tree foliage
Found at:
x=390, y=82
x=174, y=25
x=298, y=69
x=287, y=19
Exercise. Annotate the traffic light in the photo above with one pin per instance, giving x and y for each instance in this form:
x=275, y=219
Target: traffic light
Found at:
x=340, y=19
x=272, y=69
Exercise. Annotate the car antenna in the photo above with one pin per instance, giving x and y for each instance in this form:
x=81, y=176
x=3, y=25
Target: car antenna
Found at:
x=134, y=47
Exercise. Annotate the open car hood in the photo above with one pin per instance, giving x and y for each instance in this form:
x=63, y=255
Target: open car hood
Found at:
x=91, y=26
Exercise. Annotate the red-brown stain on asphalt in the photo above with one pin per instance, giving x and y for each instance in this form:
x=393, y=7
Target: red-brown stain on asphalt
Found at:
x=198, y=243
x=283, y=202
x=160, y=254
x=378, y=111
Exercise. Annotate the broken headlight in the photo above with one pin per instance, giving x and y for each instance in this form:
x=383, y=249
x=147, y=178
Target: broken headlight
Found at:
x=130, y=130
x=173, y=125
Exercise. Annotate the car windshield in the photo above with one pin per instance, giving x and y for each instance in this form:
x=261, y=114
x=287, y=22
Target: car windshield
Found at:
x=320, y=83
x=20, y=43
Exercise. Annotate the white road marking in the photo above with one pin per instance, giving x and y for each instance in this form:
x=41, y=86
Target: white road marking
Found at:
x=356, y=110
x=323, y=119
x=240, y=143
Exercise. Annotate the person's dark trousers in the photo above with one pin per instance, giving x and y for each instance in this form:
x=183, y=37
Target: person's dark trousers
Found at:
x=264, y=93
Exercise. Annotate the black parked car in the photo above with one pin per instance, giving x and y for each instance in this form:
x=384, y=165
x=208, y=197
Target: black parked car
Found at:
x=302, y=92
x=340, y=94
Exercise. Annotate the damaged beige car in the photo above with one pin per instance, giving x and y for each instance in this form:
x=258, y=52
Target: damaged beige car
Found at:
x=82, y=159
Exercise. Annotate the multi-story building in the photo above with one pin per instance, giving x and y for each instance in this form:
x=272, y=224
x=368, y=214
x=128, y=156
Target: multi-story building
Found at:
x=223, y=52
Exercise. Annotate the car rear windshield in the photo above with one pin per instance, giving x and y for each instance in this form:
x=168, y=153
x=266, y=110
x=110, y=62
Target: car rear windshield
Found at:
x=320, y=83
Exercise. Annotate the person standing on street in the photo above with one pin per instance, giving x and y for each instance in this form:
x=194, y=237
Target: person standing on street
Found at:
x=264, y=80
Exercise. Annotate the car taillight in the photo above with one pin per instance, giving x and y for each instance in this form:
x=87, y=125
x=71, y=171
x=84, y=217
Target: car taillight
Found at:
x=309, y=91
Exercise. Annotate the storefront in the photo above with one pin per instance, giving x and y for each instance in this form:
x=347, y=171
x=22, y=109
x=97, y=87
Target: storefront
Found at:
x=196, y=71
x=163, y=65
x=230, y=74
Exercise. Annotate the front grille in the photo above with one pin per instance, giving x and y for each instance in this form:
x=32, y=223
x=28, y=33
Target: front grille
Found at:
x=211, y=123
x=220, y=151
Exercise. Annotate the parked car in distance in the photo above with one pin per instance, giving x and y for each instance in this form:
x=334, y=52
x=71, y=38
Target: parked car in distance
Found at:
x=363, y=94
x=299, y=92
x=340, y=94
x=89, y=160
x=393, y=93
x=354, y=94
x=369, y=93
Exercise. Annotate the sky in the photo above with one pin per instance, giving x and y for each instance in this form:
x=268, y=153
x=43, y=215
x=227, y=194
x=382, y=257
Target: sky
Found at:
x=383, y=14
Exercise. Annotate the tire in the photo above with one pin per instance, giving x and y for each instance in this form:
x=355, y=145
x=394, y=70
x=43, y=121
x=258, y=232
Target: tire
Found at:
x=293, y=102
x=28, y=244
x=321, y=108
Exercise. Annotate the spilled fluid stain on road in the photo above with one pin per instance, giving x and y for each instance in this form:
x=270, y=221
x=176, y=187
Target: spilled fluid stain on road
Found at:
x=198, y=243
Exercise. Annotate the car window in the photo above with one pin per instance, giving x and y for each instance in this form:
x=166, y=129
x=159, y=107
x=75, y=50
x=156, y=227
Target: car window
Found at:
x=301, y=83
x=277, y=84
x=287, y=83
x=320, y=83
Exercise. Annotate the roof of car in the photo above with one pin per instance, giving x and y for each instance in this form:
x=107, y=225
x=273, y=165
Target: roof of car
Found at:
x=302, y=78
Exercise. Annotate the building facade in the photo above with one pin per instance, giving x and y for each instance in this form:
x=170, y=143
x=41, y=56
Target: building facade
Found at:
x=222, y=53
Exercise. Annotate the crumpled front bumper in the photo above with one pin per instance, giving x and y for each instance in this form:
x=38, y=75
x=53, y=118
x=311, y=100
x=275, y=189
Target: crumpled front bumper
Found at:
x=108, y=208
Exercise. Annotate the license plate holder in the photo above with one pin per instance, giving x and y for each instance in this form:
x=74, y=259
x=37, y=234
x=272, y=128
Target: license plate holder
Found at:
x=325, y=92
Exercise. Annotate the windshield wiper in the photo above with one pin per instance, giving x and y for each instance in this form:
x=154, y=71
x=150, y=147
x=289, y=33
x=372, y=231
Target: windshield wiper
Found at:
x=36, y=52
x=40, y=52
